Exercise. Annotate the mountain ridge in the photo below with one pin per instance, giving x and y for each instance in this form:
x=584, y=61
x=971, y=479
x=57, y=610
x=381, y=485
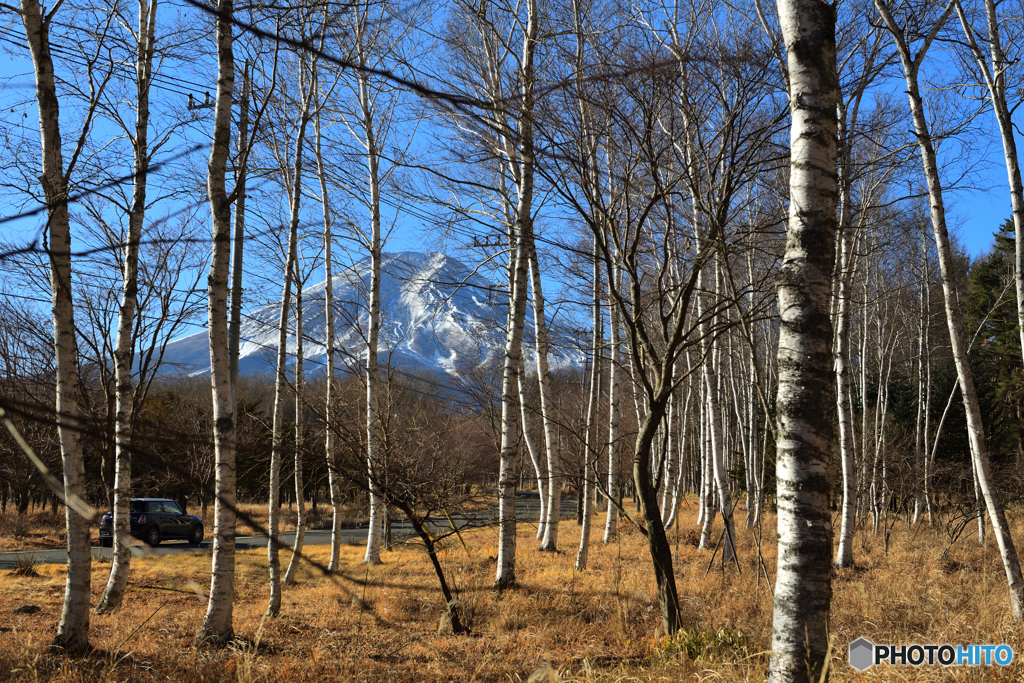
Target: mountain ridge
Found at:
x=436, y=314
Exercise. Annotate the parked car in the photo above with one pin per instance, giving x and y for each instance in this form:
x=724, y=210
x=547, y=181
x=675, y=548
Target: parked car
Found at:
x=154, y=520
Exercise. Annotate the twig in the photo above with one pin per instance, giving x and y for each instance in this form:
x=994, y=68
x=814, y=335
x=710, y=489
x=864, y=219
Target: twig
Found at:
x=715, y=552
x=137, y=628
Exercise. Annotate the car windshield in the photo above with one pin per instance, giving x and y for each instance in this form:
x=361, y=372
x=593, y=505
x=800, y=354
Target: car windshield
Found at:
x=138, y=506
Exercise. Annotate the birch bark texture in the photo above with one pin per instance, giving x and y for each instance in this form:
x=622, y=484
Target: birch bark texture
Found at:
x=803, y=590
x=217, y=624
x=73, y=629
x=523, y=237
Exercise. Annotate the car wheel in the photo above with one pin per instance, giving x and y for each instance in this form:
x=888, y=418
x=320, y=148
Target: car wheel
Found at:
x=153, y=536
x=107, y=542
x=195, y=537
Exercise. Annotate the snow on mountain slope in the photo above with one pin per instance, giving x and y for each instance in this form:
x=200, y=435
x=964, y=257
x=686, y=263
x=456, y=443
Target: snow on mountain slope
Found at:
x=436, y=315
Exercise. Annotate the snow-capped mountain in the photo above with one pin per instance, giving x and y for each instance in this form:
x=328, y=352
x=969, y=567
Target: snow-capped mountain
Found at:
x=436, y=315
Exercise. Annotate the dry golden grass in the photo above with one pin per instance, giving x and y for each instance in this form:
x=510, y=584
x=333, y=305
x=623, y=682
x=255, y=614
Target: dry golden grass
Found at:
x=386, y=623
x=35, y=530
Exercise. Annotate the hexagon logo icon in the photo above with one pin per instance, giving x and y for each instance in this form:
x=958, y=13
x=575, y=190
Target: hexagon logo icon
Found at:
x=862, y=654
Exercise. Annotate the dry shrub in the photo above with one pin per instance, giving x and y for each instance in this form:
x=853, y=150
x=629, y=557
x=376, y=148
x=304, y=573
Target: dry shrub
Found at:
x=25, y=565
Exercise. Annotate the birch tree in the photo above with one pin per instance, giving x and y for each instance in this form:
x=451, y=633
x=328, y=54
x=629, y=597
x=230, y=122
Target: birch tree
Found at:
x=123, y=354
x=217, y=625
x=864, y=59
x=803, y=589
x=56, y=178
x=329, y=345
x=911, y=64
x=590, y=434
x=300, y=406
x=997, y=71
x=292, y=182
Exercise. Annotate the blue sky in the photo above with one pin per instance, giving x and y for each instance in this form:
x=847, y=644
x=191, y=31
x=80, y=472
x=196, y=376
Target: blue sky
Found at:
x=974, y=212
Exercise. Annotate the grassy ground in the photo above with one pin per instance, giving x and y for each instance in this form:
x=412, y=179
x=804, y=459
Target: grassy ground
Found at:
x=35, y=530
x=387, y=623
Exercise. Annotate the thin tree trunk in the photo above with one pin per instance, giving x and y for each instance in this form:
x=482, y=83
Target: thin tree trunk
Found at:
x=554, y=466
x=332, y=467
x=539, y=464
x=373, y=425
x=614, y=392
x=844, y=402
x=281, y=383
x=300, y=502
x=506, y=570
x=994, y=73
x=235, y=329
x=123, y=352
x=926, y=284
x=803, y=590
x=712, y=387
x=681, y=442
x=707, y=489
x=590, y=436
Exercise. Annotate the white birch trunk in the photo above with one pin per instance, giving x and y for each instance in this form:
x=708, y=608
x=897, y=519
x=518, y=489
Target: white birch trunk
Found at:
x=300, y=503
x=713, y=388
x=329, y=445
x=237, y=256
x=994, y=74
x=668, y=470
x=803, y=588
x=123, y=351
x=73, y=629
x=539, y=465
x=506, y=569
x=678, y=487
x=844, y=403
x=281, y=382
x=217, y=624
x=523, y=237
x=926, y=285
x=373, y=436
x=553, y=504
x=590, y=436
x=614, y=392
x=920, y=430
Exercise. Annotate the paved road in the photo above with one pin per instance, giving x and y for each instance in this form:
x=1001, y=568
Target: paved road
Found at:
x=527, y=508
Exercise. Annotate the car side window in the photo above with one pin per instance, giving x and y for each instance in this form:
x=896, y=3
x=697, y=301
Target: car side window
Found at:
x=173, y=508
